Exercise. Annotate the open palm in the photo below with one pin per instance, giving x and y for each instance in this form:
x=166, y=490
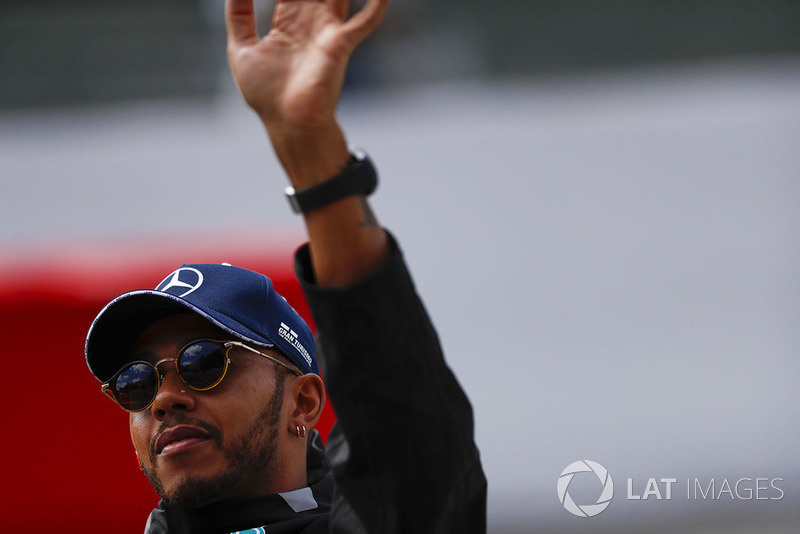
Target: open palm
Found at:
x=293, y=76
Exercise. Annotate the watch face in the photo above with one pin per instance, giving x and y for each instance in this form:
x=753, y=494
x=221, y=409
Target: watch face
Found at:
x=291, y=196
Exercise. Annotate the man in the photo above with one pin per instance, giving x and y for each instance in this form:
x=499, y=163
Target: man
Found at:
x=220, y=374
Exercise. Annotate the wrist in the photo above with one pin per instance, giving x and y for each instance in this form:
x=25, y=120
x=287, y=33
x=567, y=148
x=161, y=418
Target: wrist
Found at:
x=308, y=156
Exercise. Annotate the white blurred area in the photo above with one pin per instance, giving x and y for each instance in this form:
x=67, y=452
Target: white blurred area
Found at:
x=611, y=260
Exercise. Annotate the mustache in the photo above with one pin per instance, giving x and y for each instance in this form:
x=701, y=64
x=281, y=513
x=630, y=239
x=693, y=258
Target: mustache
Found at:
x=183, y=419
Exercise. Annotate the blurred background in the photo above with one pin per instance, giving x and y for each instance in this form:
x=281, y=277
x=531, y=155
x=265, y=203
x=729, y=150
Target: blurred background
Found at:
x=599, y=202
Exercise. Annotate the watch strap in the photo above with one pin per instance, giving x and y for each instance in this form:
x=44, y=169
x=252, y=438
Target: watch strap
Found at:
x=358, y=178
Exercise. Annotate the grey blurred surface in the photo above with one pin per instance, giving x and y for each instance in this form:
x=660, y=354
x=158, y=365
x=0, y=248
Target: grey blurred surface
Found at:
x=84, y=51
x=611, y=260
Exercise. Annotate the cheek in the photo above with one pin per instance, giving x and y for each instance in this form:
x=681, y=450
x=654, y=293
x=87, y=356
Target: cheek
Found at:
x=245, y=414
x=139, y=434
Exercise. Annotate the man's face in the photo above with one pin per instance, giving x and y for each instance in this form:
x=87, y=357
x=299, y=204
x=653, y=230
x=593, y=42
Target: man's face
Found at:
x=198, y=447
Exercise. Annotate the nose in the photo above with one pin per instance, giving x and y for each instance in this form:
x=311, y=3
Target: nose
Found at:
x=173, y=394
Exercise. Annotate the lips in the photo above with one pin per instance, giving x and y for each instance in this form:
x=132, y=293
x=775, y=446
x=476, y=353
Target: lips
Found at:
x=180, y=438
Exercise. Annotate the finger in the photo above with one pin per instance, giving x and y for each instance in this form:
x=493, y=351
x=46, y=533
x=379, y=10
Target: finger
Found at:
x=360, y=25
x=241, y=21
x=339, y=7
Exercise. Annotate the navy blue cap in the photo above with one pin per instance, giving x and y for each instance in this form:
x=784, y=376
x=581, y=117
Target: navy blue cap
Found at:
x=241, y=302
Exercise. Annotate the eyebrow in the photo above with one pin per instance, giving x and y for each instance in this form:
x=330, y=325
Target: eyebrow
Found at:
x=147, y=356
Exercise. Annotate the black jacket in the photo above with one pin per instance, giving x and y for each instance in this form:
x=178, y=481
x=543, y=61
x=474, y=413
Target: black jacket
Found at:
x=402, y=457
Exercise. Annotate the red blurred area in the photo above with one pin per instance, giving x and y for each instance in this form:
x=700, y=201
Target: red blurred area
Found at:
x=67, y=455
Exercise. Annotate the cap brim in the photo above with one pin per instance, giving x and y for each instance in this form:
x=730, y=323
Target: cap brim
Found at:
x=116, y=328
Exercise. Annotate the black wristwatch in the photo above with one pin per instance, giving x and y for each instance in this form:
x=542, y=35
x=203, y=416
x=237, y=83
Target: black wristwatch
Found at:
x=358, y=178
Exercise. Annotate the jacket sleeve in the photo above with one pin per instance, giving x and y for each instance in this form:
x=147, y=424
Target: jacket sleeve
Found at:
x=402, y=450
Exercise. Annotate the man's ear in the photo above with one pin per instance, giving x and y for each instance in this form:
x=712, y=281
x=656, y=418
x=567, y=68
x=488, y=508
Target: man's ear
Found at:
x=308, y=396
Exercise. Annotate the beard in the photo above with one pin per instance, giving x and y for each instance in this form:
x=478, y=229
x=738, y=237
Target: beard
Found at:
x=252, y=452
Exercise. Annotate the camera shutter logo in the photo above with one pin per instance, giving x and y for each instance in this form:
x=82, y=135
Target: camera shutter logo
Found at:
x=586, y=510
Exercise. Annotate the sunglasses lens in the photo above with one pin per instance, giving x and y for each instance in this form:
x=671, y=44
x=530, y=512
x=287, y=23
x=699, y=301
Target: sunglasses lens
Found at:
x=136, y=386
x=202, y=364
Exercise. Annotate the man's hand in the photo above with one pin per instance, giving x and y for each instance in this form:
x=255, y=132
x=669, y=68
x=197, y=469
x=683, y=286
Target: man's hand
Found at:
x=293, y=78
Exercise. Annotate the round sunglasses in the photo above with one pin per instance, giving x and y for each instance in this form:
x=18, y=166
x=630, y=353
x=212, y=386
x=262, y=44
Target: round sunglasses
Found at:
x=201, y=365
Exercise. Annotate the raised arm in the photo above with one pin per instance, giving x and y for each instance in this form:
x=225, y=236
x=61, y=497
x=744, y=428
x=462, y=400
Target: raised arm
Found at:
x=402, y=452
x=292, y=78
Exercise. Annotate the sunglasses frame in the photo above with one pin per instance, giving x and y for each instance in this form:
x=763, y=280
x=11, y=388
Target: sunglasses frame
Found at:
x=227, y=345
